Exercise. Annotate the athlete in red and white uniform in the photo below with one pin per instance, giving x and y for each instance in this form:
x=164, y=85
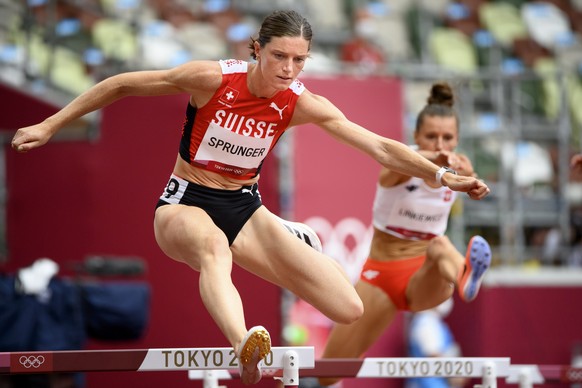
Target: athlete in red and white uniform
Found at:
x=230, y=136
x=210, y=216
x=412, y=266
x=233, y=133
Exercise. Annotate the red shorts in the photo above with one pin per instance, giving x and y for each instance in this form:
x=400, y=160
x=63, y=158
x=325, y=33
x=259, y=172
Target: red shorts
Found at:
x=392, y=277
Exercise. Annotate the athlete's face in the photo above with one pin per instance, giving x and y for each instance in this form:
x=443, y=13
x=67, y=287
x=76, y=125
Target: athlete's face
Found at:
x=282, y=59
x=437, y=134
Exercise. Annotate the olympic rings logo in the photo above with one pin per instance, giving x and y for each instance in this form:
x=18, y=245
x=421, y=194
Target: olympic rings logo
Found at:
x=573, y=375
x=31, y=361
x=347, y=241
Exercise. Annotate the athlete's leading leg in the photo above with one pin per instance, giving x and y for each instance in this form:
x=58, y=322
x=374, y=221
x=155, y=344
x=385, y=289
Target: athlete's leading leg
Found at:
x=446, y=267
x=353, y=340
x=434, y=282
x=188, y=235
x=477, y=261
x=268, y=250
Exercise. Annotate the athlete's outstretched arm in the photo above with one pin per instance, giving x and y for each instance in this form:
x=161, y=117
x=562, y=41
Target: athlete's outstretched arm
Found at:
x=390, y=153
x=193, y=78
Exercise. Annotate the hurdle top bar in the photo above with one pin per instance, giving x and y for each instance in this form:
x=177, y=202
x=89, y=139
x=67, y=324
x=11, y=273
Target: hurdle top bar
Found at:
x=393, y=367
x=155, y=359
x=517, y=373
x=404, y=367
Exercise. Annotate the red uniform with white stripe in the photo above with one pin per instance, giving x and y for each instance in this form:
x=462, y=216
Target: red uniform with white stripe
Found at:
x=233, y=133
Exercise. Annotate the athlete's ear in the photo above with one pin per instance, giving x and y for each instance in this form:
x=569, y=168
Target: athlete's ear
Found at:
x=257, y=49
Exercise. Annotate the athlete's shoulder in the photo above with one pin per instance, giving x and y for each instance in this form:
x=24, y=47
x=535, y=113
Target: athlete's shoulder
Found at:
x=196, y=75
x=232, y=66
x=297, y=87
x=314, y=108
x=199, y=67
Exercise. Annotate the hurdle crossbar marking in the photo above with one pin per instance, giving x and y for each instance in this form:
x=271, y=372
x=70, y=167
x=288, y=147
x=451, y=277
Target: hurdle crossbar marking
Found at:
x=428, y=367
x=525, y=375
x=169, y=359
x=395, y=367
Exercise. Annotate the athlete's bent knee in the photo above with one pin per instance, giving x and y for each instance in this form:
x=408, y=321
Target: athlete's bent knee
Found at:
x=440, y=241
x=437, y=247
x=351, y=311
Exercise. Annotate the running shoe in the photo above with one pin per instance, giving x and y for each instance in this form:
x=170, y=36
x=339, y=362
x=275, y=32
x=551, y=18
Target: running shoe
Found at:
x=477, y=260
x=253, y=348
x=303, y=232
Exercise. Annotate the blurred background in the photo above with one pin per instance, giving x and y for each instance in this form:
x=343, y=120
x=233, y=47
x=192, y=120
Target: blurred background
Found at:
x=516, y=68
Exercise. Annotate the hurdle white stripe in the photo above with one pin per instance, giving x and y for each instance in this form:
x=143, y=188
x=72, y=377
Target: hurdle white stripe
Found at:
x=169, y=359
x=431, y=367
x=525, y=375
x=218, y=358
x=394, y=367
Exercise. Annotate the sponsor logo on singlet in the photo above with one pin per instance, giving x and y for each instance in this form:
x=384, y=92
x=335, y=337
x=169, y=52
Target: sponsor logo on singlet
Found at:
x=279, y=110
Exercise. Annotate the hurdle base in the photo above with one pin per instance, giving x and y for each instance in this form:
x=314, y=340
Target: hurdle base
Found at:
x=290, y=377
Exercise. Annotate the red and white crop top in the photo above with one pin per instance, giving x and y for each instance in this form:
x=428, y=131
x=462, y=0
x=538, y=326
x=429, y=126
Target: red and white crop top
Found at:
x=413, y=210
x=233, y=133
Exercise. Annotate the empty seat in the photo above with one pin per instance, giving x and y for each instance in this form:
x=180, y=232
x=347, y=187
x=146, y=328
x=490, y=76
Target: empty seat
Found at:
x=326, y=14
x=533, y=165
x=398, y=7
x=568, y=53
x=331, y=24
x=115, y=38
x=160, y=46
x=68, y=72
x=453, y=50
x=546, y=23
x=434, y=7
x=552, y=101
x=391, y=36
x=504, y=22
x=203, y=40
x=574, y=87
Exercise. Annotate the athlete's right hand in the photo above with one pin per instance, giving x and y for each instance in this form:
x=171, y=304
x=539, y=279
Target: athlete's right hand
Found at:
x=477, y=189
x=28, y=138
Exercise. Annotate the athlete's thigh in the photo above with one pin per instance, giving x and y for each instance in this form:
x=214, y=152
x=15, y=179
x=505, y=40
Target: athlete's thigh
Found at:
x=427, y=288
x=353, y=340
x=267, y=249
x=187, y=234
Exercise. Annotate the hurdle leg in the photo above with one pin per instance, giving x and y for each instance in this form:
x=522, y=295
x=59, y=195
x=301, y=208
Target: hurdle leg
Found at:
x=290, y=377
x=489, y=376
x=211, y=380
x=525, y=379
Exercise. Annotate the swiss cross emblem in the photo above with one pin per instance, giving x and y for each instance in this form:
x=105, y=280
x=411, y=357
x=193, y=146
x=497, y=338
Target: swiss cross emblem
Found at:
x=229, y=96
